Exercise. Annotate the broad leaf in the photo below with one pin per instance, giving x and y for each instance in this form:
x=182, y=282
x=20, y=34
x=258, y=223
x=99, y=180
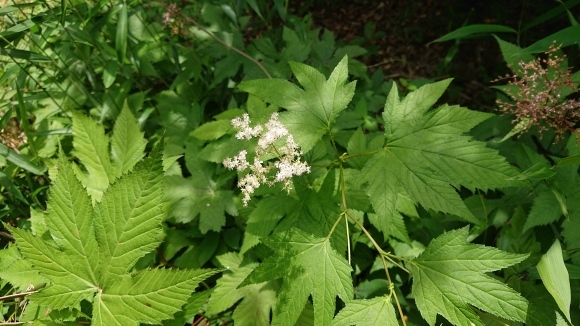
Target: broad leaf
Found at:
x=90, y=252
x=555, y=277
x=449, y=276
x=312, y=110
x=309, y=267
x=427, y=158
x=376, y=311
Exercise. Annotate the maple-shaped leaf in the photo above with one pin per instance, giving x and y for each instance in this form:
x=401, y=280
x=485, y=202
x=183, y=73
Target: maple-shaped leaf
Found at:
x=90, y=252
x=309, y=267
x=426, y=157
x=312, y=110
x=376, y=311
x=449, y=277
x=91, y=146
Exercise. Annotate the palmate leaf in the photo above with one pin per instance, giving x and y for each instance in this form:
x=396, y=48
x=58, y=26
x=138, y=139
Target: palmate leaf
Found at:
x=449, y=276
x=310, y=267
x=427, y=158
x=90, y=251
x=312, y=110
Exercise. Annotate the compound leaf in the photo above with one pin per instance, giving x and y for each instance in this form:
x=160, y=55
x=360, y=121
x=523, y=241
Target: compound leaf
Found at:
x=309, y=266
x=376, y=311
x=88, y=252
x=449, y=276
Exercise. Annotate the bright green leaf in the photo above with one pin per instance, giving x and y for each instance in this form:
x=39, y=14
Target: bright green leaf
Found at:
x=376, y=311
x=91, y=146
x=90, y=252
x=127, y=143
x=448, y=278
x=471, y=30
x=554, y=274
x=212, y=130
x=309, y=266
x=121, y=36
x=427, y=157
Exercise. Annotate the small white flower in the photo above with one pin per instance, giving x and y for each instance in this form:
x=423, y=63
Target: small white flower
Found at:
x=287, y=165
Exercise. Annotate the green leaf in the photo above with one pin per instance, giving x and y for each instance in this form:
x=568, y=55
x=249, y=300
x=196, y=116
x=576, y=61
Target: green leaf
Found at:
x=309, y=267
x=24, y=55
x=91, y=146
x=513, y=54
x=121, y=36
x=17, y=271
x=384, y=191
x=474, y=30
x=564, y=37
x=127, y=143
x=89, y=252
x=545, y=209
x=449, y=276
x=376, y=311
x=426, y=156
x=258, y=299
x=19, y=160
x=110, y=73
x=555, y=276
x=148, y=297
x=212, y=130
x=312, y=110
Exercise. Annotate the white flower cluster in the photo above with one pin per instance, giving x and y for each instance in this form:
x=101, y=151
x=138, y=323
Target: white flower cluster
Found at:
x=269, y=135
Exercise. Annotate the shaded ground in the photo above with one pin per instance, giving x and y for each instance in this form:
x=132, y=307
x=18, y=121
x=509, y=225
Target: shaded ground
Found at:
x=398, y=33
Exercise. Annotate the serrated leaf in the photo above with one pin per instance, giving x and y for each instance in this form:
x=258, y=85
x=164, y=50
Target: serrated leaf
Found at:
x=17, y=271
x=545, y=209
x=312, y=110
x=127, y=143
x=89, y=252
x=148, y=297
x=427, y=158
x=91, y=146
x=376, y=311
x=555, y=276
x=449, y=276
x=226, y=292
x=127, y=220
x=384, y=190
x=309, y=267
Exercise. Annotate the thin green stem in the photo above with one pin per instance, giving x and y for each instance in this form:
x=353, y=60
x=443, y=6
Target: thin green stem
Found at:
x=378, y=248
